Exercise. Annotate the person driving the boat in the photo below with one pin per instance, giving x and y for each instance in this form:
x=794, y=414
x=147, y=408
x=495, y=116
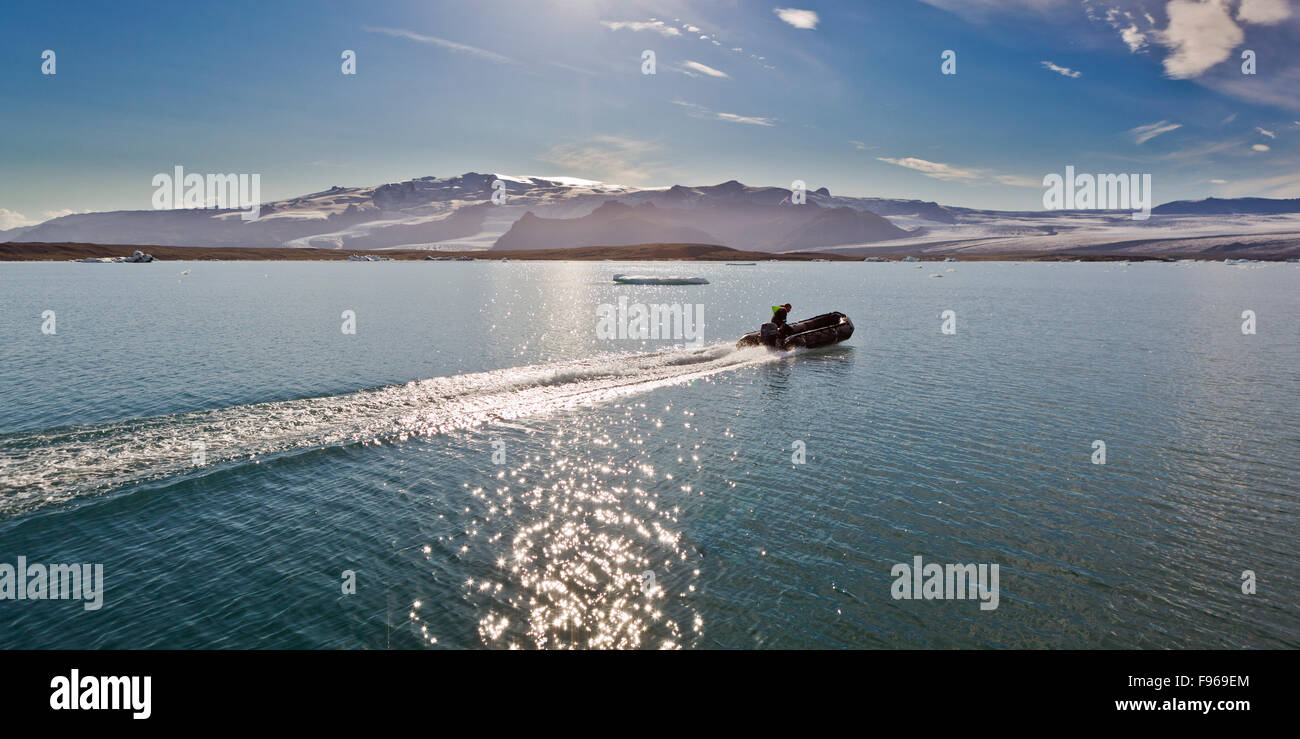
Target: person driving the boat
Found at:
x=780, y=313
x=775, y=331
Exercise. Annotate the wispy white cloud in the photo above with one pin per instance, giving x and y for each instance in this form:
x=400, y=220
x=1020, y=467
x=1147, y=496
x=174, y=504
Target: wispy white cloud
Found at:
x=860, y=146
x=805, y=19
x=699, y=111
x=1266, y=132
x=1204, y=152
x=982, y=9
x=948, y=172
x=1126, y=23
x=1063, y=71
x=1260, y=147
x=705, y=69
x=572, y=68
x=1016, y=180
x=658, y=27
x=937, y=170
x=1133, y=37
x=752, y=120
x=442, y=42
x=1143, y=134
x=606, y=158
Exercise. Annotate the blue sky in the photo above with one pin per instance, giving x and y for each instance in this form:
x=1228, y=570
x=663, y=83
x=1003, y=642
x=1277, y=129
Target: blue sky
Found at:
x=846, y=95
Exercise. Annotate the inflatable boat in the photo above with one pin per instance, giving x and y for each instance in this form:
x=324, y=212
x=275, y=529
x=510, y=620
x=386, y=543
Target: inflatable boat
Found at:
x=824, y=330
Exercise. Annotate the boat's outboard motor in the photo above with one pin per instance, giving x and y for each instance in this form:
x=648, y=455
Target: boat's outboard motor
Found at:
x=769, y=333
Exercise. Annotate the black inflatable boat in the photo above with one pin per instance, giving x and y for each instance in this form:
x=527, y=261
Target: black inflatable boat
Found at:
x=824, y=330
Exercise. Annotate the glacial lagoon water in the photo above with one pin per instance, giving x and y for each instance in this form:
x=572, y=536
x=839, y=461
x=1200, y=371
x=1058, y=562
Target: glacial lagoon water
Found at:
x=493, y=473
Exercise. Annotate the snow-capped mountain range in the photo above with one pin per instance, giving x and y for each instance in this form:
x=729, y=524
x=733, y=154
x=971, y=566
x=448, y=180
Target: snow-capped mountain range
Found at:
x=460, y=213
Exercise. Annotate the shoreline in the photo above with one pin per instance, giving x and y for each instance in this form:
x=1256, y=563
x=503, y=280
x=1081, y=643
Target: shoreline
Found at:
x=65, y=252
x=58, y=252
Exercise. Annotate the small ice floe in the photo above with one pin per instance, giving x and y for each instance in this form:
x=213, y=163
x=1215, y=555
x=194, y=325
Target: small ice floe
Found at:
x=950, y=269
x=186, y=272
x=138, y=257
x=936, y=275
x=658, y=280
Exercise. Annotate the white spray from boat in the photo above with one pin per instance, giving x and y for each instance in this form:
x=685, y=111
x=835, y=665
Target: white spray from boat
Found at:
x=56, y=465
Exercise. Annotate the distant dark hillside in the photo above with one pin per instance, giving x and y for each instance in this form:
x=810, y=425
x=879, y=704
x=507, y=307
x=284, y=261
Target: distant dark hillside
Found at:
x=1230, y=206
x=612, y=224
x=738, y=223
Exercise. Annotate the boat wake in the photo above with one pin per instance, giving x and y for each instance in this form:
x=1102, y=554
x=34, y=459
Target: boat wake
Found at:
x=53, y=466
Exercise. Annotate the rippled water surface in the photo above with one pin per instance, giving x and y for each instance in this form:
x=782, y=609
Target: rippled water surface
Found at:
x=496, y=474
